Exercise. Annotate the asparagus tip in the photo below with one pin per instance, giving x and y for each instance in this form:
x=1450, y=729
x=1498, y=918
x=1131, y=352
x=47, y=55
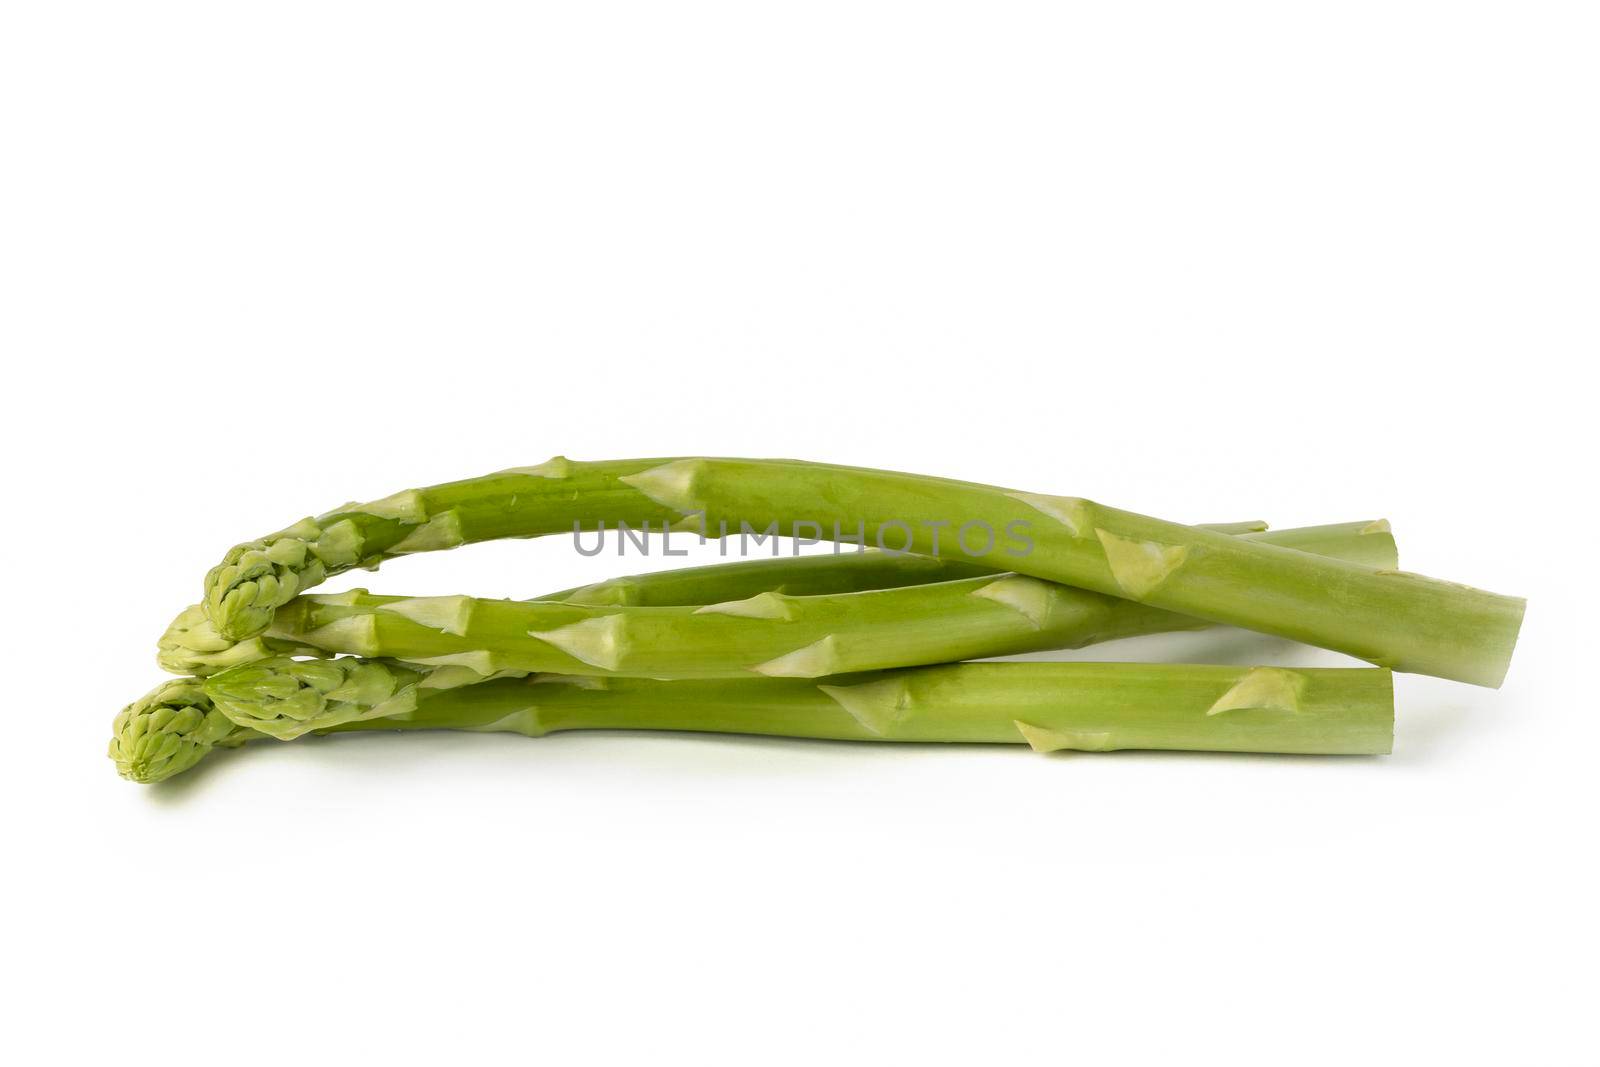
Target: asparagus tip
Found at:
x=165, y=732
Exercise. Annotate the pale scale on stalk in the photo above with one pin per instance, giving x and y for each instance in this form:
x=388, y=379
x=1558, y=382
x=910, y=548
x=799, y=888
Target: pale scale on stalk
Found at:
x=441, y=532
x=454, y=676
x=1044, y=740
x=1028, y=596
x=353, y=635
x=448, y=614
x=481, y=662
x=1140, y=566
x=405, y=506
x=555, y=467
x=672, y=485
x=1070, y=511
x=821, y=657
x=877, y=706
x=1269, y=688
x=616, y=593
x=771, y=605
x=601, y=642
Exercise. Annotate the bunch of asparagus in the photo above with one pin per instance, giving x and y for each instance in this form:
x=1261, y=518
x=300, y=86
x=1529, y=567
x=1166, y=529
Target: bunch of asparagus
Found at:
x=862, y=644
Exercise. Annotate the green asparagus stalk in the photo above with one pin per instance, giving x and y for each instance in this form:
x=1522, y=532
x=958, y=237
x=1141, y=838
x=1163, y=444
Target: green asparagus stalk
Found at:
x=842, y=572
x=769, y=634
x=1382, y=615
x=1089, y=707
x=1094, y=707
x=1074, y=617
x=1388, y=617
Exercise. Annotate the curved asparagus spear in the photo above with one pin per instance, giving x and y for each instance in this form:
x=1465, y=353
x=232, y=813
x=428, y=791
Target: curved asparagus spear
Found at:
x=1392, y=618
x=1389, y=617
x=1049, y=706
x=769, y=634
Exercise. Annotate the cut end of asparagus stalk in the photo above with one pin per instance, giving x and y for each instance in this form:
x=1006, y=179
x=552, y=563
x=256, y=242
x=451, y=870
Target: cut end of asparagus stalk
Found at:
x=286, y=698
x=167, y=731
x=1496, y=664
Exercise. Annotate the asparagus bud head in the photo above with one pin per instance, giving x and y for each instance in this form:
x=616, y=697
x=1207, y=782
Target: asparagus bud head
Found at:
x=192, y=646
x=258, y=577
x=286, y=698
x=167, y=731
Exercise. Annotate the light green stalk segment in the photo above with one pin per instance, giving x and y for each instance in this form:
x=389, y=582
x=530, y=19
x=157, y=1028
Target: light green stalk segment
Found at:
x=1049, y=706
x=259, y=576
x=1098, y=706
x=1385, y=616
x=769, y=634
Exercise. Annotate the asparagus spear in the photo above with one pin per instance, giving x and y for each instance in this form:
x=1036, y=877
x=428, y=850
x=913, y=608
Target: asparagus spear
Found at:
x=845, y=572
x=1382, y=615
x=257, y=577
x=1093, y=707
x=1049, y=706
x=768, y=634
x=1050, y=617
x=1389, y=617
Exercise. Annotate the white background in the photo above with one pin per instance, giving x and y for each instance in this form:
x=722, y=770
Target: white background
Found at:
x=1297, y=262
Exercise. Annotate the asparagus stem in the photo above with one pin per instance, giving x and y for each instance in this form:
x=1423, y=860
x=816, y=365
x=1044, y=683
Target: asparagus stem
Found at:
x=191, y=646
x=1385, y=616
x=1382, y=615
x=844, y=572
x=770, y=634
x=1049, y=706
